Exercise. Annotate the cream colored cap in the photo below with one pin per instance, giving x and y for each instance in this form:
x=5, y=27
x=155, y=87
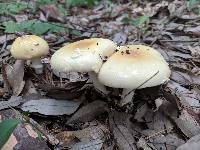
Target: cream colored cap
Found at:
x=82, y=56
x=29, y=47
x=132, y=65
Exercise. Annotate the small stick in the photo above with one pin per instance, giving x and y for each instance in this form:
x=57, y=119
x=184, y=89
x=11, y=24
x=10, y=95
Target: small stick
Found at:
x=158, y=133
x=179, y=40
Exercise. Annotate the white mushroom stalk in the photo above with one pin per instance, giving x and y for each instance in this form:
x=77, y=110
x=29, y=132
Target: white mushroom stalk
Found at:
x=83, y=56
x=30, y=47
x=97, y=85
x=134, y=67
x=37, y=65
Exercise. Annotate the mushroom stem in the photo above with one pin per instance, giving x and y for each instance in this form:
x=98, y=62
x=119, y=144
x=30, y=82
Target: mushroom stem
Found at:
x=37, y=65
x=127, y=96
x=97, y=85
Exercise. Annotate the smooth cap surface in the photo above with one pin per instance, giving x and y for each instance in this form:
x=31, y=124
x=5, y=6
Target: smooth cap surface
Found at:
x=29, y=47
x=134, y=65
x=82, y=56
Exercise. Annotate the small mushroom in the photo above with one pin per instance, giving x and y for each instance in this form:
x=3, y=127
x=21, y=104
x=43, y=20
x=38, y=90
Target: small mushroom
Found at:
x=83, y=56
x=134, y=67
x=30, y=47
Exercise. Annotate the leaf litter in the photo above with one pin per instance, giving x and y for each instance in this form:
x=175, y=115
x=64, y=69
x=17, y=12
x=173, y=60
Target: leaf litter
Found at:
x=164, y=119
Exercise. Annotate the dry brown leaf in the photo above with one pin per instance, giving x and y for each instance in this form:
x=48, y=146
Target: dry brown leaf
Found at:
x=120, y=38
x=51, y=106
x=88, y=112
x=18, y=77
x=51, y=12
x=29, y=91
x=66, y=138
x=12, y=102
x=188, y=125
x=193, y=31
x=122, y=134
x=141, y=112
x=2, y=92
x=195, y=51
x=142, y=144
x=193, y=144
x=168, y=142
x=88, y=145
x=91, y=133
x=5, y=38
x=185, y=78
x=186, y=98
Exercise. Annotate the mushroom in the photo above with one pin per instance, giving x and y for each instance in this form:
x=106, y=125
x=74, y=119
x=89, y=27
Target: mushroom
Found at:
x=134, y=67
x=30, y=47
x=85, y=55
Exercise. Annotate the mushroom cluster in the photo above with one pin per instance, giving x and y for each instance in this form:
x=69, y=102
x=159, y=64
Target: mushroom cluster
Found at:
x=127, y=67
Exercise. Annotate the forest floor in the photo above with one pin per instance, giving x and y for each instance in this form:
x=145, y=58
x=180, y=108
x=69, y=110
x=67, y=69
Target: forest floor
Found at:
x=68, y=113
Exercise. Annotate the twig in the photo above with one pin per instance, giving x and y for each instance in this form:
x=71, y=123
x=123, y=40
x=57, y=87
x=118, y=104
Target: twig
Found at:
x=196, y=40
x=158, y=133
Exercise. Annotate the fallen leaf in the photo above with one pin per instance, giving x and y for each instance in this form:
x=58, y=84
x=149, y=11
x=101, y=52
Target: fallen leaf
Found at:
x=88, y=145
x=5, y=38
x=120, y=38
x=195, y=51
x=187, y=124
x=141, y=112
x=7, y=77
x=66, y=138
x=193, y=31
x=63, y=94
x=188, y=99
x=142, y=144
x=2, y=92
x=51, y=106
x=123, y=136
x=12, y=102
x=88, y=112
x=168, y=142
x=29, y=91
x=91, y=133
x=18, y=77
x=193, y=143
x=51, y=12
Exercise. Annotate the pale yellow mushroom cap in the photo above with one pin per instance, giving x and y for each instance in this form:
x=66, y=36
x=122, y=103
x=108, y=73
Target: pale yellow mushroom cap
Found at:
x=82, y=56
x=132, y=65
x=29, y=47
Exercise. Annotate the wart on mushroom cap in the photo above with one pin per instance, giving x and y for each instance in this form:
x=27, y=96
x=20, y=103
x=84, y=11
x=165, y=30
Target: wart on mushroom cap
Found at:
x=132, y=65
x=30, y=47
